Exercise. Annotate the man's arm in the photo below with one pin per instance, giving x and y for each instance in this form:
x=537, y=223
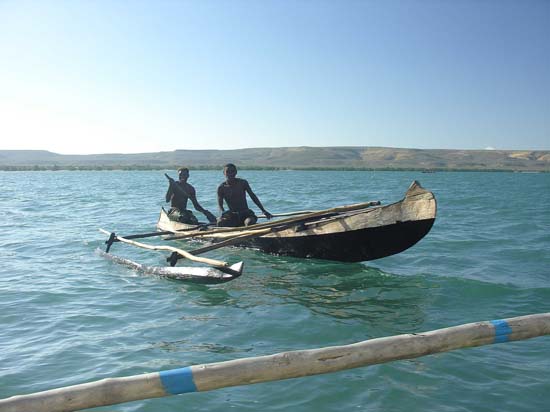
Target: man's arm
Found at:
x=256, y=200
x=193, y=196
x=220, y=199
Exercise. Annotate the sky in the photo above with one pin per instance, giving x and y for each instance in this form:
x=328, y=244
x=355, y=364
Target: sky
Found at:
x=82, y=77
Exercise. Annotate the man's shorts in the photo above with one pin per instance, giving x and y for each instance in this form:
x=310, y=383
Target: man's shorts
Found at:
x=234, y=219
x=182, y=216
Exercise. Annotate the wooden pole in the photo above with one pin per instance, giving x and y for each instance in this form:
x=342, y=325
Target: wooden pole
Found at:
x=284, y=365
x=288, y=220
x=185, y=254
x=300, y=212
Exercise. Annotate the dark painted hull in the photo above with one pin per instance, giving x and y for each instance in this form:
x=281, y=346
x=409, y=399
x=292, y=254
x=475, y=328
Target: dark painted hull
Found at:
x=354, y=246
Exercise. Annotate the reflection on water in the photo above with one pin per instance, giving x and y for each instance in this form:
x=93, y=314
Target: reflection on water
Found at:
x=346, y=292
x=352, y=293
x=185, y=345
x=209, y=296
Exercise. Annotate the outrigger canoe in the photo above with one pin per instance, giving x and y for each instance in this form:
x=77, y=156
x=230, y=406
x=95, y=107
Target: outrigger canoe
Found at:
x=354, y=233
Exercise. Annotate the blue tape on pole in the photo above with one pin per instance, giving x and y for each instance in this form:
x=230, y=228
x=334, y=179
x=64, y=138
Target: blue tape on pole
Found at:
x=502, y=331
x=176, y=381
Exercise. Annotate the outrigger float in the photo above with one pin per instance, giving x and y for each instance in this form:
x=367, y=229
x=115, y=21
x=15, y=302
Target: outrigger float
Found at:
x=218, y=272
x=353, y=233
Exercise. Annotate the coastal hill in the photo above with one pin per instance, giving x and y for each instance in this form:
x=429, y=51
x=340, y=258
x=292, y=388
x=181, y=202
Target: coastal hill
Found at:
x=352, y=158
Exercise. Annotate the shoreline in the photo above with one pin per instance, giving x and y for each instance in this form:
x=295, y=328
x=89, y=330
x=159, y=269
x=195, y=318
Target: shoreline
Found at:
x=74, y=168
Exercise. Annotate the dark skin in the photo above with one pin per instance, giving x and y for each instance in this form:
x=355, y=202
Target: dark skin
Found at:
x=234, y=191
x=178, y=197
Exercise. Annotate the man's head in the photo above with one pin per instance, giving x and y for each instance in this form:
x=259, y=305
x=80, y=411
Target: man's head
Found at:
x=183, y=173
x=230, y=170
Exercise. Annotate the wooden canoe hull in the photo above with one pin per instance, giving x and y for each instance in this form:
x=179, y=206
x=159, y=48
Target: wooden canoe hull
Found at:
x=360, y=235
x=353, y=246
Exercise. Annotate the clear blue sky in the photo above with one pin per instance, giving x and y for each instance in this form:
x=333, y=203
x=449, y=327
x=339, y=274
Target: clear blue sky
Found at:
x=140, y=76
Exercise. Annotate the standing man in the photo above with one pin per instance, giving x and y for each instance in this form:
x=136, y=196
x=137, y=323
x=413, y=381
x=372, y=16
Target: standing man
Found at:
x=234, y=191
x=178, y=193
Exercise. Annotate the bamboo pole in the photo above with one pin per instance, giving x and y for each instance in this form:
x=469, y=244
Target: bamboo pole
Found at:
x=284, y=214
x=284, y=365
x=185, y=254
x=232, y=240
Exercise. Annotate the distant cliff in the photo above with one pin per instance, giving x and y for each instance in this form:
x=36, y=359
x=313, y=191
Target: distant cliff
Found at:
x=352, y=158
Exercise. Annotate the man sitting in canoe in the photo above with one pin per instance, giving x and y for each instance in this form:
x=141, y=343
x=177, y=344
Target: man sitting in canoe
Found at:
x=178, y=193
x=234, y=191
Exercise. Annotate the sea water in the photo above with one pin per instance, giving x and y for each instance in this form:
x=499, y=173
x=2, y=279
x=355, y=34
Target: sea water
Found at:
x=69, y=316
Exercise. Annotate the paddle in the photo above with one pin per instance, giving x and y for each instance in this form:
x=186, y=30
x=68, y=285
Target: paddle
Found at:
x=175, y=187
x=230, y=241
x=233, y=240
x=180, y=252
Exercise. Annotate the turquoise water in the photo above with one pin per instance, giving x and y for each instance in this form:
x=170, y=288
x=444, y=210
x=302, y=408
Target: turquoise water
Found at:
x=68, y=316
